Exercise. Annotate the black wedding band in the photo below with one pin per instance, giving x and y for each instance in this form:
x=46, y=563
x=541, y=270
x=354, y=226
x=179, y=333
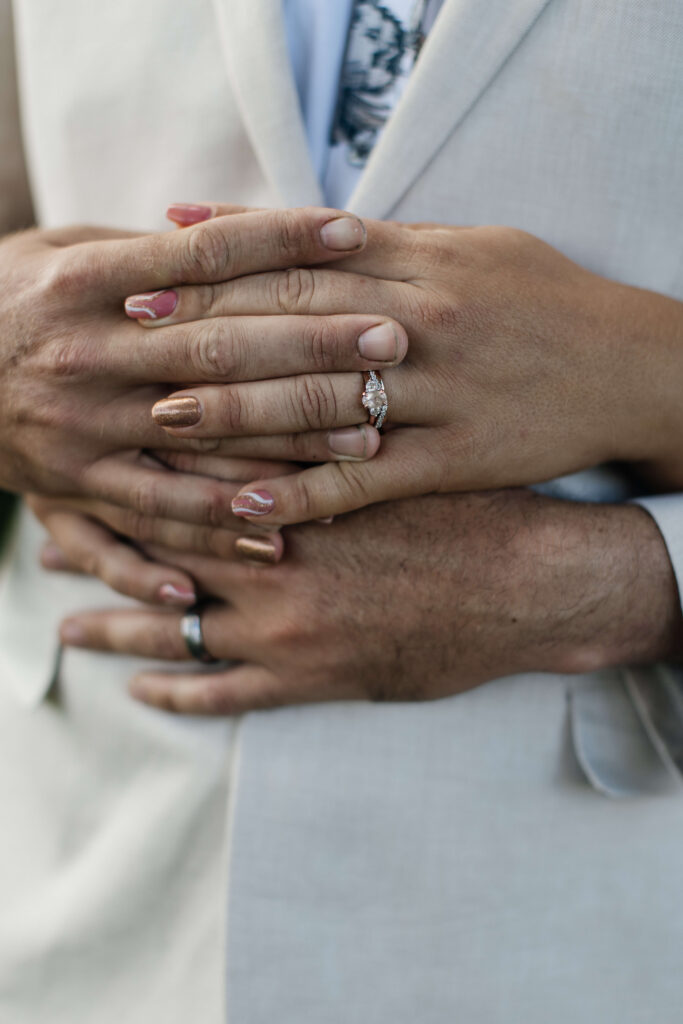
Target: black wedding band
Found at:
x=191, y=632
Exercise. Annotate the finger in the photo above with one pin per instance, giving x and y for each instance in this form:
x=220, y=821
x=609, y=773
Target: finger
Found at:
x=295, y=291
x=53, y=559
x=215, y=250
x=233, y=692
x=96, y=551
x=262, y=347
x=401, y=469
x=184, y=215
x=356, y=442
x=308, y=402
x=159, y=493
x=155, y=633
x=212, y=542
x=223, y=467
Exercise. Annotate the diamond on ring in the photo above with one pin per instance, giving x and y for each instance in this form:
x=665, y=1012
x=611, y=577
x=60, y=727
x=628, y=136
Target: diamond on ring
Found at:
x=375, y=399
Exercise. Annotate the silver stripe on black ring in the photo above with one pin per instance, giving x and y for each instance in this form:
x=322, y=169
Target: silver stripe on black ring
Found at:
x=191, y=632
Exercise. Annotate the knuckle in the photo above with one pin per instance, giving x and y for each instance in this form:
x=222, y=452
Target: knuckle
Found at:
x=209, y=256
x=145, y=498
x=315, y=401
x=294, y=290
x=68, y=274
x=288, y=234
x=233, y=411
x=322, y=344
x=215, y=508
x=218, y=354
x=70, y=358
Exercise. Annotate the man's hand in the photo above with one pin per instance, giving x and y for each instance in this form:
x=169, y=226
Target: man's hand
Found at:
x=413, y=600
x=78, y=380
x=521, y=366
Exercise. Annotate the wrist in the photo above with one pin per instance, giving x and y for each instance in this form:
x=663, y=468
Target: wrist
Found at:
x=605, y=576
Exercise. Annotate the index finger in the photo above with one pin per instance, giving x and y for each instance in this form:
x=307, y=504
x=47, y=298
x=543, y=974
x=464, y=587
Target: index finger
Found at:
x=215, y=250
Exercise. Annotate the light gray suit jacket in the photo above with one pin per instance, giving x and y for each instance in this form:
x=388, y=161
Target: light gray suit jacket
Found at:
x=437, y=862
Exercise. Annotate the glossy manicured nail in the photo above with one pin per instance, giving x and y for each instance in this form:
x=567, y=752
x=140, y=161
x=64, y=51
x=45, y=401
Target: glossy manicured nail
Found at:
x=151, y=305
x=378, y=344
x=72, y=633
x=253, y=503
x=186, y=214
x=170, y=593
x=177, y=412
x=257, y=549
x=349, y=442
x=343, y=234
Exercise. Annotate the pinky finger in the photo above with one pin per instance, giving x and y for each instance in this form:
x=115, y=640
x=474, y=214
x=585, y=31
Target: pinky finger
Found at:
x=232, y=692
x=81, y=545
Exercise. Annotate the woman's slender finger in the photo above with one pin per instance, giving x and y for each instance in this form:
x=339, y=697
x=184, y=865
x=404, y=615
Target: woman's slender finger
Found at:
x=294, y=291
x=244, y=348
x=400, y=470
x=91, y=548
x=317, y=401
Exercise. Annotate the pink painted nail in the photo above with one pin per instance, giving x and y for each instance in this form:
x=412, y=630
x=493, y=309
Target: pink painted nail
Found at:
x=72, y=633
x=170, y=593
x=253, y=503
x=151, y=305
x=186, y=214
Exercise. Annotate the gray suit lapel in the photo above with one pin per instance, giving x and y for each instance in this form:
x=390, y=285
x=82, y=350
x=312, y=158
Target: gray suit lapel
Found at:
x=470, y=42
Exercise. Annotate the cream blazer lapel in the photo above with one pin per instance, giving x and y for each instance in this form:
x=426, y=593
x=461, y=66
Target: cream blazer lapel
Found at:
x=468, y=45
x=253, y=38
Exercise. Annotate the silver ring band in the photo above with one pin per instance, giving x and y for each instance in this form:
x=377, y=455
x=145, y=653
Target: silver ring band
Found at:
x=374, y=398
x=191, y=632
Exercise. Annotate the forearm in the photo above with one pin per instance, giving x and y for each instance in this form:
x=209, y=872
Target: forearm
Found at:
x=604, y=574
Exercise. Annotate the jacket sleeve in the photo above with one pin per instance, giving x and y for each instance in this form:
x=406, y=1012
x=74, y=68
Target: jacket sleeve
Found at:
x=15, y=197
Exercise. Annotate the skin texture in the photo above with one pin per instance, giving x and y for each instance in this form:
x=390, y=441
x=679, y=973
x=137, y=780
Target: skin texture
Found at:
x=463, y=589
x=76, y=384
x=521, y=366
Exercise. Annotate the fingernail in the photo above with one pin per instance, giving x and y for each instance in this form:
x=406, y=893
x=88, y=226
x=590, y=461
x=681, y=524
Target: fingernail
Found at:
x=343, y=234
x=379, y=344
x=349, y=442
x=72, y=633
x=177, y=412
x=151, y=305
x=257, y=549
x=326, y=521
x=185, y=214
x=253, y=503
x=170, y=593
x=53, y=557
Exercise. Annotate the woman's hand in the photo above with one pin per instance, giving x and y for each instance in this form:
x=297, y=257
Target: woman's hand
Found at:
x=410, y=600
x=521, y=366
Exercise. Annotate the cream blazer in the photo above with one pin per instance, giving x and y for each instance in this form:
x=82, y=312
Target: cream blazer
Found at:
x=437, y=862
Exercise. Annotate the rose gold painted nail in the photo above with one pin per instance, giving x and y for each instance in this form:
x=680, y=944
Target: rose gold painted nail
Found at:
x=343, y=234
x=177, y=412
x=257, y=549
x=186, y=214
x=170, y=593
x=253, y=503
x=151, y=305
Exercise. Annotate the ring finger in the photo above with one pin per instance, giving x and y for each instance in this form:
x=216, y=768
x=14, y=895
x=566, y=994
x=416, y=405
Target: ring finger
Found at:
x=308, y=402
